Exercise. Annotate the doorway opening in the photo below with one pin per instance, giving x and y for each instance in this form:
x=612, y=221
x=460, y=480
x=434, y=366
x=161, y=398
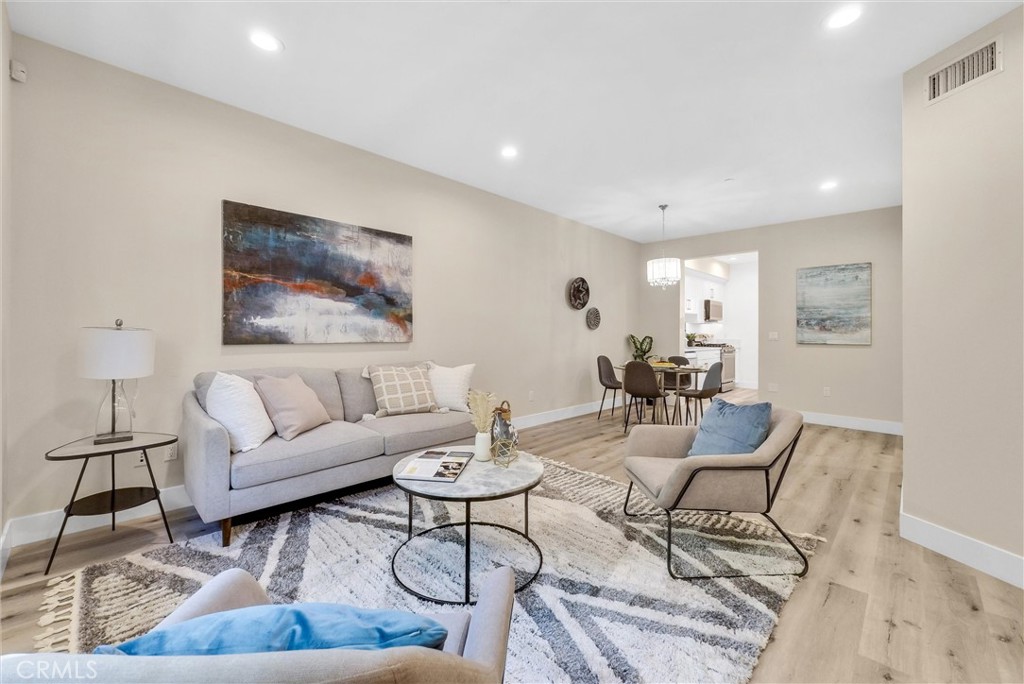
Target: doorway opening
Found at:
x=718, y=306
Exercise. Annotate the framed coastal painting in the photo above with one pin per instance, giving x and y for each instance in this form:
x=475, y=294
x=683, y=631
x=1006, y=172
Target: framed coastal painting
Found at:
x=833, y=304
x=294, y=279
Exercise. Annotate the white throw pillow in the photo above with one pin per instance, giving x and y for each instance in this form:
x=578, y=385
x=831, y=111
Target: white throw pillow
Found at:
x=233, y=402
x=451, y=385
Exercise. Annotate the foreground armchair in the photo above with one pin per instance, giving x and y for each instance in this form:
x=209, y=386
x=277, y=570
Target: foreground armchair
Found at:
x=473, y=652
x=657, y=465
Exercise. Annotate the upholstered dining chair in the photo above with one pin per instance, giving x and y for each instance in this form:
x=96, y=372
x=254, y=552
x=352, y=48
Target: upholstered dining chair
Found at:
x=656, y=464
x=640, y=384
x=606, y=374
x=674, y=382
x=712, y=385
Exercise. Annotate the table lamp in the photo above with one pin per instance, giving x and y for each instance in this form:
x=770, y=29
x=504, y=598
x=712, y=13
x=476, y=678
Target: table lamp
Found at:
x=115, y=354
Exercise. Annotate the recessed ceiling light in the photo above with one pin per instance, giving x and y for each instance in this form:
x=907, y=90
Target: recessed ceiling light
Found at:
x=509, y=152
x=265, y=41
x=844, y=16
x=828, y=185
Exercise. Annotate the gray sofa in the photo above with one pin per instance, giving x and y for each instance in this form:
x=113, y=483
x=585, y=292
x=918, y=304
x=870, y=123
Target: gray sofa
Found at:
x=349, y=450
x=474, y=651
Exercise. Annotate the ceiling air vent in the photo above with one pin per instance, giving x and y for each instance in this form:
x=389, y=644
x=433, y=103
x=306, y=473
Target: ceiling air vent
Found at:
x=985, y=61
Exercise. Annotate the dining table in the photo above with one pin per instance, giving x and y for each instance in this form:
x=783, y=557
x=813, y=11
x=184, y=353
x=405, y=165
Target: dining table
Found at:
x=662, y=367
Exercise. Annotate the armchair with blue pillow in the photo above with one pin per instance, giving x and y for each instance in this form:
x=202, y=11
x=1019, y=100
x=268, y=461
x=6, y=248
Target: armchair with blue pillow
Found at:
x=734, y=462
x=229, y=631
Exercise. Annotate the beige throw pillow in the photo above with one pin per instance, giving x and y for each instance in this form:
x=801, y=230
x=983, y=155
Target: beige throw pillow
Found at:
x=402, y=389
x=292, y=406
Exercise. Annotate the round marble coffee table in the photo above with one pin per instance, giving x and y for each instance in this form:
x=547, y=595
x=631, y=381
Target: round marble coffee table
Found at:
x=478, y=482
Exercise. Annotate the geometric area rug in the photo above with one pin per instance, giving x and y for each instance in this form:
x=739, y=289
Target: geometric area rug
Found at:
x=603, y=608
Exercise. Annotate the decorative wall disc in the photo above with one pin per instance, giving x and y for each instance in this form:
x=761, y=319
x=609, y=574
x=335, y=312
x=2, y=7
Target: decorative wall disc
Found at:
x=578, y=293
x=593, y=318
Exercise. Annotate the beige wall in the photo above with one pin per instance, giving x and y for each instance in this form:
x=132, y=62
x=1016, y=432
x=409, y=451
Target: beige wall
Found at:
x=963, y=174
x=119, y=182
x=5, y=222
x=865, y=380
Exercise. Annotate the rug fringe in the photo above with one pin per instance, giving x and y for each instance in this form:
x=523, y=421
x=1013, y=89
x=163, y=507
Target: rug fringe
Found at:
x=58, y=614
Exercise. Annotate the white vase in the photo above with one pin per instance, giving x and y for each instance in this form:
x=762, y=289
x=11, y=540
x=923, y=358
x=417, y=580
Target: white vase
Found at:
x=482, y=447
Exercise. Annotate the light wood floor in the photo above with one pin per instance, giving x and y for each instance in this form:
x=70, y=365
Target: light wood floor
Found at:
x=873, y=607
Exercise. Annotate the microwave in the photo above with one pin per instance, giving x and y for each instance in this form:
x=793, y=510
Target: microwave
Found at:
x=712, y=310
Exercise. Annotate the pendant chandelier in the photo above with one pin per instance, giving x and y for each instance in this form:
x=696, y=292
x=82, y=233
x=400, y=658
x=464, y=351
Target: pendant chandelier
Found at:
x=664, y=271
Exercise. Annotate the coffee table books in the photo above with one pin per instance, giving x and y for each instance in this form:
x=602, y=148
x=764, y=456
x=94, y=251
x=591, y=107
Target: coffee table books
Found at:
x=436, y=465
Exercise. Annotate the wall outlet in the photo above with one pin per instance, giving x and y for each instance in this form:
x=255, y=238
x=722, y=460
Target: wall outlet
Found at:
x=773, y=337
x=826, y=391
x=773, y=387
x=531, y=395
x=171, y=453
x=140, y=460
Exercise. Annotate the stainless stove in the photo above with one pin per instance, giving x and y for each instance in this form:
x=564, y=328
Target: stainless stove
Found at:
x=728, y=363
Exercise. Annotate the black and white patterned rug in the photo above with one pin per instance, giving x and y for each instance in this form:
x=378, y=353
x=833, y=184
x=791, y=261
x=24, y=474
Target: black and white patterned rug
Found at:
x=603, y=608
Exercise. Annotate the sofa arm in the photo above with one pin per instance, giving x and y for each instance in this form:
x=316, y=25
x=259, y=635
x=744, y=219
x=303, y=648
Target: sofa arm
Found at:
x=231, y=589
x=487, y=638
x=206, y=454
x=662, y=441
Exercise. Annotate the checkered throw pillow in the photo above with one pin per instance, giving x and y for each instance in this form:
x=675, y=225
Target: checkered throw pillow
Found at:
x=402, y=389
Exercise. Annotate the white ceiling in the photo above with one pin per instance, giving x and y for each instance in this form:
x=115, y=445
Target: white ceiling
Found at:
x=615, y=107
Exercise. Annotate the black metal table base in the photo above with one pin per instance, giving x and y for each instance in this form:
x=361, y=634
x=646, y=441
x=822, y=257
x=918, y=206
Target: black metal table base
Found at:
x=102, y=503
x=468, y=524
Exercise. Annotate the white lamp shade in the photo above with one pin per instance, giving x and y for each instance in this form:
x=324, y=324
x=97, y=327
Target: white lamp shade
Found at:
x=115, y=353
x=664, y=271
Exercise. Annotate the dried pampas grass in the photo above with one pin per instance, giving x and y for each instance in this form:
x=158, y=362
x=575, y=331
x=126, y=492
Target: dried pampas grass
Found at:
x=481, y=406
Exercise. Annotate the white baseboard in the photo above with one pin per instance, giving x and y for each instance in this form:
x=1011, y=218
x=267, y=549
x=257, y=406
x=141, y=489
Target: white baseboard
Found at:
x=886, y=427
x=39, y=526
x=983, y=557
x=535, y=419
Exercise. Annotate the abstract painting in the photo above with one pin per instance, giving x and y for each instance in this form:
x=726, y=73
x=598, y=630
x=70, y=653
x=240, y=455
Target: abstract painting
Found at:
x=833, y=304
x=294, y=279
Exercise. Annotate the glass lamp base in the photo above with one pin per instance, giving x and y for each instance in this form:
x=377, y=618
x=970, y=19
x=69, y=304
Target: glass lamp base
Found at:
x=114, y=417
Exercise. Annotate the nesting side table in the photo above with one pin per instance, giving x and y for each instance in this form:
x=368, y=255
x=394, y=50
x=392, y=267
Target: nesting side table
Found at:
x=114, y=499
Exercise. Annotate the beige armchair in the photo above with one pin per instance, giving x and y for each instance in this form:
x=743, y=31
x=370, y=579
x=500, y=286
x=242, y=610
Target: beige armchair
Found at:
x=474, y=651
x=657, y=465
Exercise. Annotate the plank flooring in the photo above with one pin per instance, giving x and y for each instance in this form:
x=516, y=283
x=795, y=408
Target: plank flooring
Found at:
x=873, y=607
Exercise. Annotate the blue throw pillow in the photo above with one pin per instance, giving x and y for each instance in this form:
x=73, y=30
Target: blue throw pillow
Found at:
x=257, y=629
x=732, y=429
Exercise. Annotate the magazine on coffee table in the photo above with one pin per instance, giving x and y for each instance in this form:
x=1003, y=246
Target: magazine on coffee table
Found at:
x=436, y=465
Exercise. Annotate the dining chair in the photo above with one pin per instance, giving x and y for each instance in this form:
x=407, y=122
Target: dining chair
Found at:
x=606, y=374
x=674, y=382
x=712, y=386
x=640, y=384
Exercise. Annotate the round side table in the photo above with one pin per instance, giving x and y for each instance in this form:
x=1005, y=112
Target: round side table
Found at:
x=114, y=499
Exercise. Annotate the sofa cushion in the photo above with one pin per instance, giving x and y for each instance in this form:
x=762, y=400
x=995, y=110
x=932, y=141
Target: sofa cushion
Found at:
x=421, y=430
x=357, y=393
x=296, y=627
x=402, y=389
x=451, y=385
x=234, y=403
x=323, y=381
x=292, y=406
x=333, y=444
